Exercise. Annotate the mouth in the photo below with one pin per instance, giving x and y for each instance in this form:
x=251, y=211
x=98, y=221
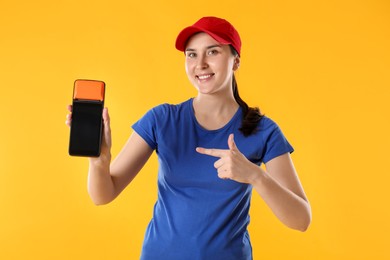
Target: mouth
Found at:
x=204, y=76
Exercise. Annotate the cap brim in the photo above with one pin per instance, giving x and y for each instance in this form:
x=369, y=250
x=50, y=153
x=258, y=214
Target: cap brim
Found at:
x=186, y=33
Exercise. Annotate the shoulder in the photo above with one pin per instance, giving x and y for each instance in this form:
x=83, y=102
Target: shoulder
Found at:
x=168, y=108
x=168, y=113
x=269, y=130
x=267, y=124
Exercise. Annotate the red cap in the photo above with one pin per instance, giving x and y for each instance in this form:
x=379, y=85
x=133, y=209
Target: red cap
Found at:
x=220, y=29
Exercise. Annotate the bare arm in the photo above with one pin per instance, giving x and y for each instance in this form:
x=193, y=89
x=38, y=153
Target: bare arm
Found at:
x=106, y=180
x=282, y=191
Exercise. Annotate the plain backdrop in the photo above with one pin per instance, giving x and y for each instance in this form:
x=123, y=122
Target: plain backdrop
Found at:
x=320, y=69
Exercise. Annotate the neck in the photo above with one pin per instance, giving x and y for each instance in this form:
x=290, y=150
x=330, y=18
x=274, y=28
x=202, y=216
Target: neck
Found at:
x=214, y=105
x=213, y=113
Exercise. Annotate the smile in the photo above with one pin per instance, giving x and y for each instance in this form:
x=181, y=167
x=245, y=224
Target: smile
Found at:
x=202, y=77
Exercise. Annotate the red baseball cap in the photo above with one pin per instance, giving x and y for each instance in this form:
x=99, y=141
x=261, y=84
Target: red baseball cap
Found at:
x=220, y=29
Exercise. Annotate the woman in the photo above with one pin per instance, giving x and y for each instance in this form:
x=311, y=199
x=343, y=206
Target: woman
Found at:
x=209, y=150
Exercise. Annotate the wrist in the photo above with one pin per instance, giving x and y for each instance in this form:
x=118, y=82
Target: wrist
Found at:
x=103, y=161
x=258, y=176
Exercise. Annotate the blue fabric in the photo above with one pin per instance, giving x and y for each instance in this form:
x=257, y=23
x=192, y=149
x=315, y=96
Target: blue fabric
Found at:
x=199, y=216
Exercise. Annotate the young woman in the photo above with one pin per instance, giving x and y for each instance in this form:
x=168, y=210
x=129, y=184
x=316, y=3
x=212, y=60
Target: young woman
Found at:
x=209, y=149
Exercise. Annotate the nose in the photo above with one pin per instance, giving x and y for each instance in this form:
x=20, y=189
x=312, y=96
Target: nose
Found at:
x=201, y=62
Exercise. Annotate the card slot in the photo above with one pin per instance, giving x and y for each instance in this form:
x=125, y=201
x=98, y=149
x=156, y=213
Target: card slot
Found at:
x=88, y=90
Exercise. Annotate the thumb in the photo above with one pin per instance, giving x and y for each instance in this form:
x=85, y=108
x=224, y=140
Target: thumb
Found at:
x=231, y=143
x=106, y=125
x=106, y=117
x=106, y=130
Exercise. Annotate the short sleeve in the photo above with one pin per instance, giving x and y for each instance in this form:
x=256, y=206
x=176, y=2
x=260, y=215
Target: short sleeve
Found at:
x=275, y=142
x=146, y=127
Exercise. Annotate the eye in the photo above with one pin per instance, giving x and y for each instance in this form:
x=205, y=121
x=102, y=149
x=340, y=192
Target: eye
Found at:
x=212, y=52
x=190, y=54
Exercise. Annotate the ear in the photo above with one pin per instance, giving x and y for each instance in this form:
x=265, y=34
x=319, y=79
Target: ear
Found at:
x=236, y=64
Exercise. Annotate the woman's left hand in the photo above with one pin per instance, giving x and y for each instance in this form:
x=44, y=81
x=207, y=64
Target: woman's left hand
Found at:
x=232, y=164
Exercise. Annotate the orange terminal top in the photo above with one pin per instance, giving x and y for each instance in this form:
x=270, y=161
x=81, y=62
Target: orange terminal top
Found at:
x=89, y=89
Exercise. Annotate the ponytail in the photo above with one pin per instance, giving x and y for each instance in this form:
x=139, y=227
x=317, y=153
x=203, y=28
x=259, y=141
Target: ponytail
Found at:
x=251, y=115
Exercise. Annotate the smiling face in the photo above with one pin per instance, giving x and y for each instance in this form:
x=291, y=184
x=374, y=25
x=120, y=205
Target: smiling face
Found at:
x=209, y=64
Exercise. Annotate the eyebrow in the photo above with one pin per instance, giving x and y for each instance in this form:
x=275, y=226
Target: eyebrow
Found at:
x=208, y=47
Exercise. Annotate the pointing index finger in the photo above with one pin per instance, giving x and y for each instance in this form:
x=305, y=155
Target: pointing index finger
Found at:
x=211, y=152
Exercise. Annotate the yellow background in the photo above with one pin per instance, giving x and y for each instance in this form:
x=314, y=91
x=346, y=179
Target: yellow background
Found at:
x=320, y=69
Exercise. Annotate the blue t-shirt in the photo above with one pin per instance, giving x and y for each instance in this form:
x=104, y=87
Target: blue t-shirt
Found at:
x=199, y=216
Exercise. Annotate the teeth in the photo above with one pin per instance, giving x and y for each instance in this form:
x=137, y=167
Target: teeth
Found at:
x=204, y=76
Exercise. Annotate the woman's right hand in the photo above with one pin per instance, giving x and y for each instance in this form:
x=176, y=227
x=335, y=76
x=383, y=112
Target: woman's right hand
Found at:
x=105, y=153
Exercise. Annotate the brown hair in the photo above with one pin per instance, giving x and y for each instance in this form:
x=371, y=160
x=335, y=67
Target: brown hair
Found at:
x=251, y=115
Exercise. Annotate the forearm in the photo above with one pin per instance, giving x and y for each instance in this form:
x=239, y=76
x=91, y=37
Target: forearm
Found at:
x=291, y=209
x=101, y=187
